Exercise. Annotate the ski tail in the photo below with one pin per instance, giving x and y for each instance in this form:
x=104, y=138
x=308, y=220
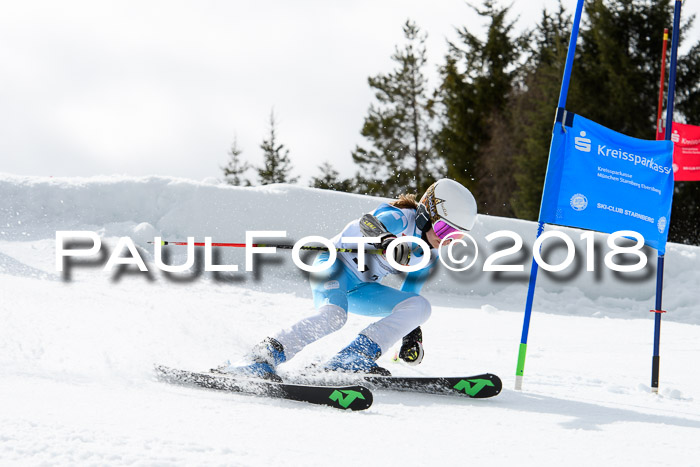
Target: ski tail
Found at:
x=350, y=397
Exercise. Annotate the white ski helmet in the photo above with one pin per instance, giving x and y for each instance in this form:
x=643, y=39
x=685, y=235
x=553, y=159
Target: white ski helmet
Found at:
x=446, y=206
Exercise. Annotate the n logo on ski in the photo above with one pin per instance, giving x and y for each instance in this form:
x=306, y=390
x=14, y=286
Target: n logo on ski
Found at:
x=345, y=400
x=477, y=386
x=472, y=387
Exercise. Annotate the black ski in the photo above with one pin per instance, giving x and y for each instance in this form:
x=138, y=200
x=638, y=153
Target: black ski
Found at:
x=352, y=397
x=477, y=387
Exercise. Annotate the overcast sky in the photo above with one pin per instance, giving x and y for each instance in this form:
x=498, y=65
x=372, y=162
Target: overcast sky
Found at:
x=163, y=87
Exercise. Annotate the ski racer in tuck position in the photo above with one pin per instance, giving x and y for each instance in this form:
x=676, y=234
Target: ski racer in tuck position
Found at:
x=446, y=208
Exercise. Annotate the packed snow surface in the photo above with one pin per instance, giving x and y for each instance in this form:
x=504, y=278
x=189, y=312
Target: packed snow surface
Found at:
x=77, y=347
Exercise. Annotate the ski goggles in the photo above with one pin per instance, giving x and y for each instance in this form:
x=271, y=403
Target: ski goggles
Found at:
x=441, y=228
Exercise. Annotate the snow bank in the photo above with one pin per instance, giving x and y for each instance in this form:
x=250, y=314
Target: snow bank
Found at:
x=76, y=353
x=34, y=208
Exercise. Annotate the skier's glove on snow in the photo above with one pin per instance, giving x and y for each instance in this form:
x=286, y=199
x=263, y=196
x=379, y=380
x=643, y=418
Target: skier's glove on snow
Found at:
x=412, y=347
x=370, y=226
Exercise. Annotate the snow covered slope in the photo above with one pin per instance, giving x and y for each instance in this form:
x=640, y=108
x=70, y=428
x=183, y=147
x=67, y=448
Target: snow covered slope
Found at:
x=76, y=350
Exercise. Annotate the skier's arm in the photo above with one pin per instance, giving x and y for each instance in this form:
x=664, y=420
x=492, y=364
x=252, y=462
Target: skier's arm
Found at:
x=414, y=280
x=393, y=220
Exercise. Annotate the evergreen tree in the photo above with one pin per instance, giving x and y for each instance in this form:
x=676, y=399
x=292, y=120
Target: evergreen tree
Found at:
x=688, y=80
x=236, y=168
x=399, y=127
x=534, y=108
x=685, y=215
x=616, y=71
x=330, y=180
x=277, y=165
x=496, y=172
x=478, y=80
x=614, y=82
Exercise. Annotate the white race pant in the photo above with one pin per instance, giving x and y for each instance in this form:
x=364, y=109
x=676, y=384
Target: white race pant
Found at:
x=404, y=318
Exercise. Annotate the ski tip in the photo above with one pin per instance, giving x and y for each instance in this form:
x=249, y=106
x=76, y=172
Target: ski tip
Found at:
x=497, y=383
x=351, y=398
x=481, y=386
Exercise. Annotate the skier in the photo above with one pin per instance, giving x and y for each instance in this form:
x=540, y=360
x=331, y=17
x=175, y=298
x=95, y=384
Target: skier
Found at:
x=446, y=208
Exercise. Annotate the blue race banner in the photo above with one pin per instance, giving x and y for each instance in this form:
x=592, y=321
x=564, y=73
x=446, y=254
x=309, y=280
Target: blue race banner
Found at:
x=602, y=180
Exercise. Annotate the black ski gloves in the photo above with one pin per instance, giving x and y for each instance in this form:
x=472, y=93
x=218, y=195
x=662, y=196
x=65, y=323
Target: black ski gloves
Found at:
x=370, y=226
x=412, y=347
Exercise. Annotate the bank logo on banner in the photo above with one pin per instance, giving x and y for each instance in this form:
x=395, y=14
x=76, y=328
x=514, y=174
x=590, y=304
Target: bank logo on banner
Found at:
x=602, y=180
x=582, y=143
x=686, y=153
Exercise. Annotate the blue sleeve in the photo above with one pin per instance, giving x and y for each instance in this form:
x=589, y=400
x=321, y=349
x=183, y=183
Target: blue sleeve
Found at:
x=414, y=280
x=393, y=219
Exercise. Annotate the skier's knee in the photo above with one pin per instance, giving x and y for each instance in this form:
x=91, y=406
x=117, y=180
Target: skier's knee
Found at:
x=418, y=306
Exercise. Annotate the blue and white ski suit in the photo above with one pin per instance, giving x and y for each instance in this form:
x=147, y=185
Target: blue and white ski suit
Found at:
x=344, y=288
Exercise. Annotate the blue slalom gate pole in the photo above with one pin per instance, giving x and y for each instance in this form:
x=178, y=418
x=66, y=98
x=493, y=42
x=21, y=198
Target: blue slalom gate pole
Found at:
x=563, y=92
x=656, y=358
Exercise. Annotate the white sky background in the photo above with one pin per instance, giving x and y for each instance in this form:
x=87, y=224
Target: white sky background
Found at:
x=162, y=87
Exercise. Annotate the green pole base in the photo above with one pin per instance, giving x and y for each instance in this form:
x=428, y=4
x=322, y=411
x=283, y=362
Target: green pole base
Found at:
x=520, y=370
